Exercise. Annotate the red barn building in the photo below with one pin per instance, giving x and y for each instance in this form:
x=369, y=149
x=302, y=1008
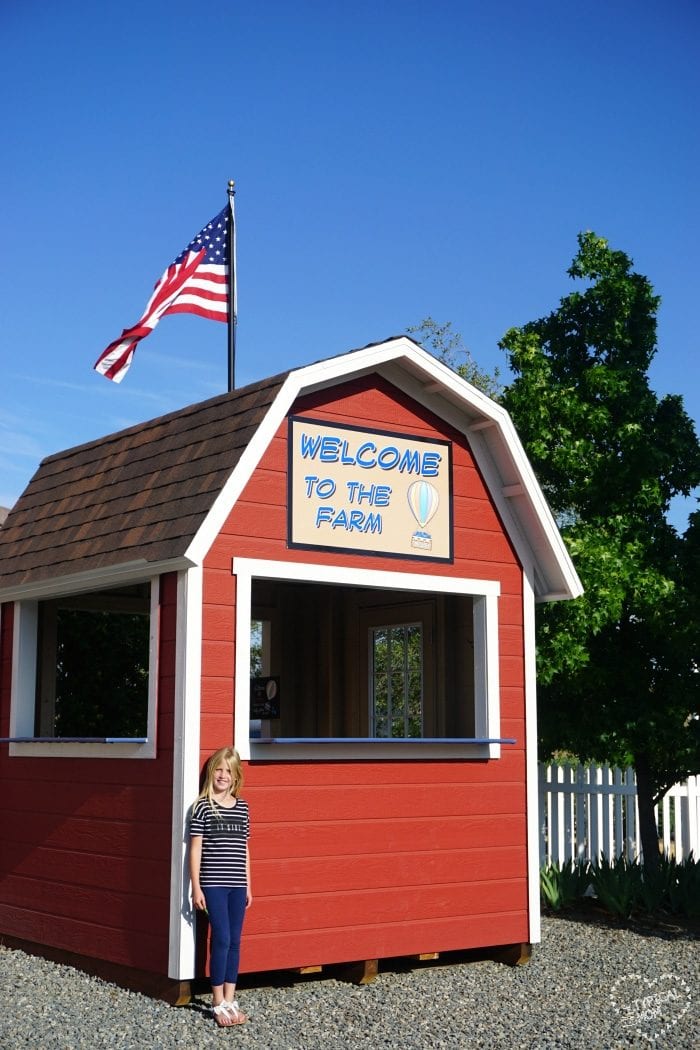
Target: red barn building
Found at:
x=337, y=569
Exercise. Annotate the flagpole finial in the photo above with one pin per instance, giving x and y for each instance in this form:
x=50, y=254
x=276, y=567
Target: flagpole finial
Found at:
x=231, y=187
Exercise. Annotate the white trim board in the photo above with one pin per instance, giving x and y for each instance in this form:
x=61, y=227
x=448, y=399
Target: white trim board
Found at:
x=187, y=717
x=486, y=593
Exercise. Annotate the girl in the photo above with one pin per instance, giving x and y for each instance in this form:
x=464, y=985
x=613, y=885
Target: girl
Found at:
x=220, y=874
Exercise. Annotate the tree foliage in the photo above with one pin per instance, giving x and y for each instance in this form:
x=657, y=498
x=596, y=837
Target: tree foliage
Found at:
x=618, y=667
x=101, y=674
x=448, y=346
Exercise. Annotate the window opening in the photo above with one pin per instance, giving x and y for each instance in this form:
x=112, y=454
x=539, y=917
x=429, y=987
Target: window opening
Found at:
x=354, y=662
x=329, y=631
x=93, y=654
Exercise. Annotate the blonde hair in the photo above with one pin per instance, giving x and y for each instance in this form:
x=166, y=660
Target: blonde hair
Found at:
x=229, y=757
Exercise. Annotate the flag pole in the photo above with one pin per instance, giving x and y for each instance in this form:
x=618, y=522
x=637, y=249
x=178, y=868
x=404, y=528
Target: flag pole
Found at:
x=232, y=297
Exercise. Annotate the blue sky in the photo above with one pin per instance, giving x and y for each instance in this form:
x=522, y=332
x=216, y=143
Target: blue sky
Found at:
x=393, y=160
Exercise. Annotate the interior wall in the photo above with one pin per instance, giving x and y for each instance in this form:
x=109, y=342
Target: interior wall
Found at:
x=319, y=651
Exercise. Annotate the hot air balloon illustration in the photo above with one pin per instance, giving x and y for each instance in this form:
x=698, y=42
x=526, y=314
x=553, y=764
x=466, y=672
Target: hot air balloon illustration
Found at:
x=424, y=500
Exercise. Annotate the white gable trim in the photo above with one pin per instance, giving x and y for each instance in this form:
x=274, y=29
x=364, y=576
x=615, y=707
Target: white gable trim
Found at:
x=514, y=499
x=240, y=476
x=488, y=427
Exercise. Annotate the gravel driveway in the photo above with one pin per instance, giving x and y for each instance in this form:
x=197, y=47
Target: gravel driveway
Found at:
x=587, y=986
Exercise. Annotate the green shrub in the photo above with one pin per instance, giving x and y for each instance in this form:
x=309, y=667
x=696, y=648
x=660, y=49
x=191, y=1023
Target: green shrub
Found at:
x=653, y=886
x=684, y=888
x=563, y=885
x=616, y=885
x=625, y=888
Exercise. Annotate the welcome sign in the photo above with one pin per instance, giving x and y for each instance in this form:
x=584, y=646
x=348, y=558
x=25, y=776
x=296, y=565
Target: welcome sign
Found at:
x=368, y=491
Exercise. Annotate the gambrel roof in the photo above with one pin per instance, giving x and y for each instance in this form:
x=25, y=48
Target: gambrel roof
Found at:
x=153, y=497
x=137, y=495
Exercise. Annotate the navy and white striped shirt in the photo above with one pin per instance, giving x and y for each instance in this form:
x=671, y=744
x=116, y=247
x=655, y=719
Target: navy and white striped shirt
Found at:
x=224, y=835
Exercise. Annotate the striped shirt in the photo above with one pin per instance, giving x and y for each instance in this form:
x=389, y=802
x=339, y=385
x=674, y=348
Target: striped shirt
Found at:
x=224, y=835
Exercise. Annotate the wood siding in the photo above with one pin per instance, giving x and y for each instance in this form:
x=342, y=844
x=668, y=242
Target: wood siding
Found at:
x=375, y=859
x=85, y=858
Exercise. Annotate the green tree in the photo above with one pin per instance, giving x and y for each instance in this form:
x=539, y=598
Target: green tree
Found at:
x=617, y=668
x=448, y=346
x=101, y=673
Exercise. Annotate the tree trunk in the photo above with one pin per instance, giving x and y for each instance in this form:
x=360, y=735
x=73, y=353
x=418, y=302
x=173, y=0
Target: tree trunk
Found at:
x=648, y=831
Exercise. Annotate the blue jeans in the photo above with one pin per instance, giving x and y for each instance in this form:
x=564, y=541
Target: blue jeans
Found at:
x=226, y=907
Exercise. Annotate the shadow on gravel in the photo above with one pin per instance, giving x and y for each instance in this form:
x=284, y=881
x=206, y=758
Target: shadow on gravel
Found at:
x=666, y=927
x=345, y=972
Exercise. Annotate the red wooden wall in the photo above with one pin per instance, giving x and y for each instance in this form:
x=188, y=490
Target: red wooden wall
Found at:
x=375, y=859
x=85, y=843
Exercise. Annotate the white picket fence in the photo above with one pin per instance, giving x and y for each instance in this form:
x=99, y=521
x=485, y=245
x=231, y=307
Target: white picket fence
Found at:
x=589, y=810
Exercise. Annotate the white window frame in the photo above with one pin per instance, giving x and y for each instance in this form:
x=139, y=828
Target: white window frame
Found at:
x=23, y=691
x=485, y=594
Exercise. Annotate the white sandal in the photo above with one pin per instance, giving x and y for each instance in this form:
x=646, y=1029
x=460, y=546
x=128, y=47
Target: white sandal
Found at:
x=219, y=1012
x=234, y=1011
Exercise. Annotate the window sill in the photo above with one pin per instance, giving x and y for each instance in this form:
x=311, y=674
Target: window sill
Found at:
x=371, y=748
x=80, y=747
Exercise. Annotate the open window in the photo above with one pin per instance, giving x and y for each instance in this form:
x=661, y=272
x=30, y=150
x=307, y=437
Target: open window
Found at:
x=366, y=658
x=85, y=673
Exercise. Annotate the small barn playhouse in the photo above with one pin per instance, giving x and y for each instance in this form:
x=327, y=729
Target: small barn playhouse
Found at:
x=335, y=568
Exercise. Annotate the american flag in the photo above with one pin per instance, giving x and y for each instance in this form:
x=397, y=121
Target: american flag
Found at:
x=196, y=283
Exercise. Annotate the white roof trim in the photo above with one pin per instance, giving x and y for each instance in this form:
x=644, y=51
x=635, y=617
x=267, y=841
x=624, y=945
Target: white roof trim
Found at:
x=487, y=426
x=92, y=579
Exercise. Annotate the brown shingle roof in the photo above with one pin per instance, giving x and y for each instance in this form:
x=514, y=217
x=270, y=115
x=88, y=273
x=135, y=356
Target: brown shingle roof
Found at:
x=139, y=493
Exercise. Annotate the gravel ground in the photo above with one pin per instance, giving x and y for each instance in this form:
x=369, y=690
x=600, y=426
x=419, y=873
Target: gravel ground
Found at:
x=587, y=986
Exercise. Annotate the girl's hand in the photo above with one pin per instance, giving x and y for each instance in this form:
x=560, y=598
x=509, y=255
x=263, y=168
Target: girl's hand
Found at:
x=248, y=898
x=199, y=900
